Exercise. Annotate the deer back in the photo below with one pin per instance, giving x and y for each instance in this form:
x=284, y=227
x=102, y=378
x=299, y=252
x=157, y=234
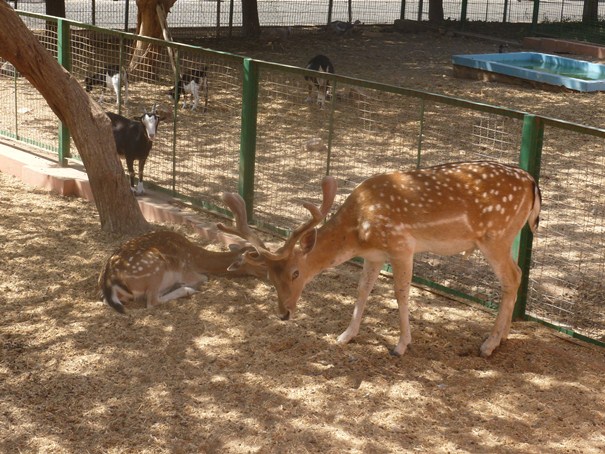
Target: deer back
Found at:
x=445, y=209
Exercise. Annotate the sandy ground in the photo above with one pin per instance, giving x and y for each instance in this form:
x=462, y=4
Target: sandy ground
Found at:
x=219, y=372
x=423, y=61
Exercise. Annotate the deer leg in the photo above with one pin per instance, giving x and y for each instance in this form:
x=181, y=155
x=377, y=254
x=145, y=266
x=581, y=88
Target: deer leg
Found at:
x=370, y=273
x=151, y=297
x=402, y=279
x=188, y=288
x=177, y=293
x=509, y=275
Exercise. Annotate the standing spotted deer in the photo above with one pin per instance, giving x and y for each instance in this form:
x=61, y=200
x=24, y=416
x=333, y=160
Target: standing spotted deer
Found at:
x=446, y=209
x=162, y=266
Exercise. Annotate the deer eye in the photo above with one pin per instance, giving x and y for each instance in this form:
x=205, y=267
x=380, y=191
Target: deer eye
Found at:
x=295, y=274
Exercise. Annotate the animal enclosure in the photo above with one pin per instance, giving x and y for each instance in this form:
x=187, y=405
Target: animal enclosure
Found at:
x=220, y=373
x=366, y=128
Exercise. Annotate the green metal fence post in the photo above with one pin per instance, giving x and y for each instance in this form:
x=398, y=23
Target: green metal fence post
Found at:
x=529, y=159
x=175, y=113
x=64, y=57
x=420, y=135
x=331, y=128
x=121, y=65
x=247, y=151
x=16, y=103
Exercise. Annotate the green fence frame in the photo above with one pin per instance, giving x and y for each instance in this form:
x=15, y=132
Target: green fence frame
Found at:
x=529, y=154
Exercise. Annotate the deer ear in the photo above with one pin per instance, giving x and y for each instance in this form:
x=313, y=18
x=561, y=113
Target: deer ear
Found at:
x=249, y=255
x=236, y=265
x=307, y=242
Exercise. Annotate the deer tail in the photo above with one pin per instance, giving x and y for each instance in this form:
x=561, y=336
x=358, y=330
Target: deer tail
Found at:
x=534, y=215
x=108, y=287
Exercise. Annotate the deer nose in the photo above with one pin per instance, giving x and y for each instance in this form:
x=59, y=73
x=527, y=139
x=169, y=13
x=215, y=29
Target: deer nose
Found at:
x=285, y=316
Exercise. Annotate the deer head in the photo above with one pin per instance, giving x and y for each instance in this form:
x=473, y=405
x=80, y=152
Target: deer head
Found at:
x=284, y=264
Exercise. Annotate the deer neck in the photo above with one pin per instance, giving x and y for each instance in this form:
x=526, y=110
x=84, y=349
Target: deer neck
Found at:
x=213, y=262
x=335, y=244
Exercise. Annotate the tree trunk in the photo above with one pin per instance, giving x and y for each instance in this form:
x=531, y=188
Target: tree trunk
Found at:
x=250, y=21
x=590, y=12
x=55, y=8
x=143, y=60
x=89, y=125
x=435, y=11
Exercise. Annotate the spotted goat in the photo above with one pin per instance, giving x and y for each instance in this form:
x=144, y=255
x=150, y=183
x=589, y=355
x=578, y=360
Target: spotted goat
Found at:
x=446, y=210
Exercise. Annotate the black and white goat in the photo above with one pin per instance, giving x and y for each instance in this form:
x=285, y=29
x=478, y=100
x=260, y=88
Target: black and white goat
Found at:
x=190, y=84
x=341, y=28
x=134, y=139
x=322, y=64
x=109, y=77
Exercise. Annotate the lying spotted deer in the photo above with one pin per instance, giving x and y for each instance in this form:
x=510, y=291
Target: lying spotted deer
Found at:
x=164, y=265
x=447, y=209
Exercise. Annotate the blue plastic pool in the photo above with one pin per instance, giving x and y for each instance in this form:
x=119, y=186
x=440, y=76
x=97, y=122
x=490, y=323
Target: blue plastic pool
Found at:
x=549, y=69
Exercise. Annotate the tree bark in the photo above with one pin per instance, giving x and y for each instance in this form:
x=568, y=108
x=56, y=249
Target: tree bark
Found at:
x=590, y=12
x=435, y=11
x=89, y=125
x=148, y=24
x=55, y=8
x=250, y=21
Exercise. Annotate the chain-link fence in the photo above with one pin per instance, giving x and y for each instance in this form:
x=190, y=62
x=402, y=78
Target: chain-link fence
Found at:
x=565, y=18
x=364, y=128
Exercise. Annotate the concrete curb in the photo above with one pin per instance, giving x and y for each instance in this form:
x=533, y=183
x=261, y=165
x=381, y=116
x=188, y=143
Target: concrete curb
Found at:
x=73, y=182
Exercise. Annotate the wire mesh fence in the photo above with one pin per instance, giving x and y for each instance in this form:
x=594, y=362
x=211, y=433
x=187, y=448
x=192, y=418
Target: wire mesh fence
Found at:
x=569, y=253
x=548, y=17
x=364, y=128
x=198, y=135
x=25, y=106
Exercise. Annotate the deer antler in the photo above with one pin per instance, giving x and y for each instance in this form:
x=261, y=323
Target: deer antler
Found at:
x=238, y=207
x=328, y=186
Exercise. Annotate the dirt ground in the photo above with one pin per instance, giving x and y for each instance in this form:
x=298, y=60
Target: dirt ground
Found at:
x=423, y=61
x=219, y=372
